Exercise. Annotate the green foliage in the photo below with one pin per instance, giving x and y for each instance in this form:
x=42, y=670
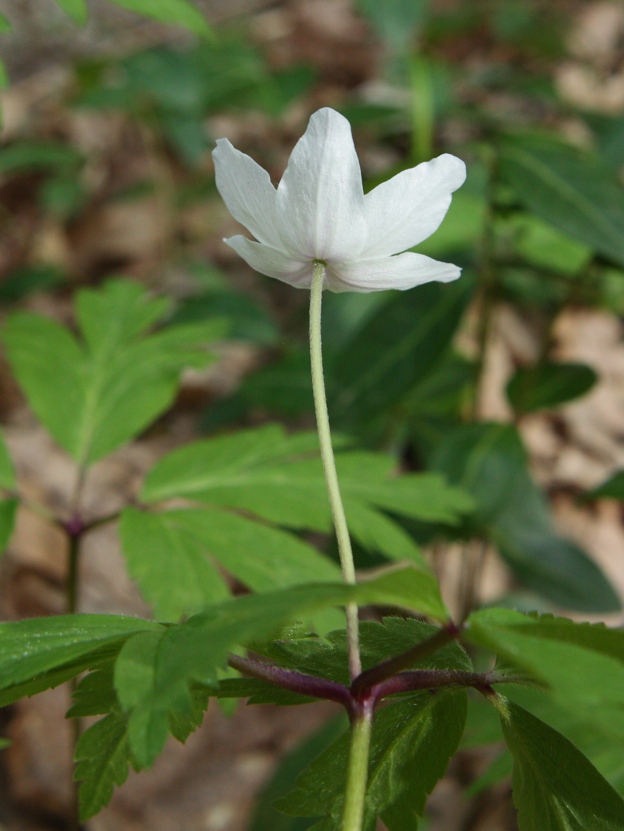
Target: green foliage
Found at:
x=397, y=21
x=266, y=818
x=102, y=759
x=547, y=385
x=411, y=745
x=555, y=788
x=193, y=651
x=566, y=657
x=489, y=461
x=378, y=352
x=27, y=156
x=327, y=657
x=180, y=543
x=169, y=564
x=96, y=393
x=76, y=9
x=43, y=652
x=5, y=25
x=571, y=190
x=613, y=488
x=22, y=281
x=178, y=12
x=396, y=348
x=248, y=321
x=8, y=510
x=7, y=474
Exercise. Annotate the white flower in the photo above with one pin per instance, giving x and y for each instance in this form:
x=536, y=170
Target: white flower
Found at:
x=319, y=213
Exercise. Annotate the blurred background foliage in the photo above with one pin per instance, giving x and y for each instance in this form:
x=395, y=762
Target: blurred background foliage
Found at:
x=105, y=170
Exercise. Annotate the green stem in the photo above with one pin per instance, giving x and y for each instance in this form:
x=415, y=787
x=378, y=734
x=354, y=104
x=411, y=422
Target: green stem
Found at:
x=357, y=772
x=329, y=464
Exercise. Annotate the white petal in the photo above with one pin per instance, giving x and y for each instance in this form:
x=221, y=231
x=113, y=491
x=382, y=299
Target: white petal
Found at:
x=272, y=262
x=247, y=191
x=408, y=208
x=320, y=200
x=401, y=272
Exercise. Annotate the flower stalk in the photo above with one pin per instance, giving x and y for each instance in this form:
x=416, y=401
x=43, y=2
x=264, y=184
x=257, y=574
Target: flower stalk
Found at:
x=329, y=464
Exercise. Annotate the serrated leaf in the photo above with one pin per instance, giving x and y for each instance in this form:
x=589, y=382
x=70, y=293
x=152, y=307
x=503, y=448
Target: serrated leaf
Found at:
x=581, y=664
x=568, y=188
x=555, y=788
x=95, y=693
x=548, y=385
x=411, y=745
x=280, y=478
x=193, y=651
x=95, y=395
x=76, y=9
x=43, y=652
x=8, y=510
x=178, y=12
x=488, y=460
x=169, y=564
x=102, y=759
x=327, y=657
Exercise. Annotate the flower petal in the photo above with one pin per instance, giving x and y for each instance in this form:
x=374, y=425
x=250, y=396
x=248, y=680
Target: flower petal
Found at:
x=272, y=262
x=320, y=200
x=408, y=208
x=247, y=191
x=401, y=272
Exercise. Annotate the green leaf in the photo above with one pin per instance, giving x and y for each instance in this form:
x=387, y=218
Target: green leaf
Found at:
x=261, y=557
x=555, y=788
x=396, y=348
x=613, y=488
x=582, y=665
x=411, y=745
x=488, y=460
x=327, y=657
x=102, y=758
x=21, y=282
x=5, y=24
x=34, y=156
x=280, y=478
x=95, y=694
x=569, y=189
x=43, y=652
x=95, y=395
x=8, y=510
x=541, y=245
x=548, y=385
x=178, y=12
x=4, y=81
x=266, y=817
x=169, y=563
x=397, y=21
x=249, y=321
x=76, y=9
x=193, y=651
x=7, y=473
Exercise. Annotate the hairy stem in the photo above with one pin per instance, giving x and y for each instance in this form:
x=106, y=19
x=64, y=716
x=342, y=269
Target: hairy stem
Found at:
x=357, y=771
x=372, y=677
x=292, y=680
x=329, y=464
